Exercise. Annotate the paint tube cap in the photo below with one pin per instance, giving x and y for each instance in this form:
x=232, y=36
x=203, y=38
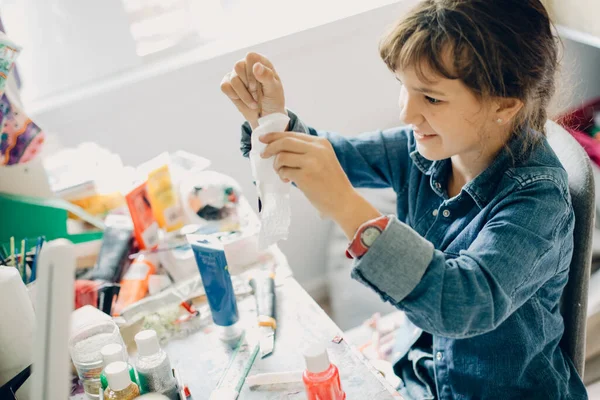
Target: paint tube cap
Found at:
x=111, y=353
x=316, y=358
x=147, y=343
x=117, y=375
x=231, y=333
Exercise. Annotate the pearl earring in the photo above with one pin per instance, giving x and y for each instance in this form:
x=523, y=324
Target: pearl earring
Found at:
x=499, y=120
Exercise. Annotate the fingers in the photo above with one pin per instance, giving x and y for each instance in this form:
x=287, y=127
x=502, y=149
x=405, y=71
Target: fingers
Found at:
x=274, y=136
x=227, y=88
x=288, y=144
x=288, y=160
x=241, y=91
x=265, y=75
x=240, y=70
x=252, y=84
x=251, y=60
x=288, y=174
x=229, y=91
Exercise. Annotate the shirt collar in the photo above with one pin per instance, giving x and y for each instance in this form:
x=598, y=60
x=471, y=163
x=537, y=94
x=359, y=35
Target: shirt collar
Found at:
x=482, y=189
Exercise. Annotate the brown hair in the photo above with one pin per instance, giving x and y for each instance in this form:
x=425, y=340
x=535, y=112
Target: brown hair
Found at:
x=500, y=48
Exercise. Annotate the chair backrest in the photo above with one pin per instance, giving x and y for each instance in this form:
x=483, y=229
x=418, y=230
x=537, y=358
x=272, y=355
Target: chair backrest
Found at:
x=575, y=295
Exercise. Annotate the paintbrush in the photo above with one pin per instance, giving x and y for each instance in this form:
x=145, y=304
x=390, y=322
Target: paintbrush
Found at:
x=12, y=251
x=23, y=260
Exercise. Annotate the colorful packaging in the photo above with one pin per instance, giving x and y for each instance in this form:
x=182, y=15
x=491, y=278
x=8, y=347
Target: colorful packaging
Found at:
x=163, y=199
x=20, y=138
x=9, y=52
x=145, y=227
x=116, y=243
x=134, y=285
x=99, y=205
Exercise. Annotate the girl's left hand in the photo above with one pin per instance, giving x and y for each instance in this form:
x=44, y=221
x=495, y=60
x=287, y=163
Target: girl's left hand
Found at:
x=311, y=163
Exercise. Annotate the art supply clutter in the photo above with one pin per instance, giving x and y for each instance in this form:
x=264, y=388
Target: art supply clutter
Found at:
x=23, y=258
x=110, y=354
x=85, y=346
x=162, y=253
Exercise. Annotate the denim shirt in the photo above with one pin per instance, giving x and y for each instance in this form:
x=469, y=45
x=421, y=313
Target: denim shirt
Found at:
x=482, y=272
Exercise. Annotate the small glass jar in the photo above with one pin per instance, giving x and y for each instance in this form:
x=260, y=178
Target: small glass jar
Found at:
x=85, y=346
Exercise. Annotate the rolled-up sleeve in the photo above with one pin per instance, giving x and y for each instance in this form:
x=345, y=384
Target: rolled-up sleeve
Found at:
x=517, y=251
x=378, y=159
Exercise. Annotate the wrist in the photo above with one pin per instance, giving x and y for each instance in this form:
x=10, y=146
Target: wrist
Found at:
x=356, y=211
x=365, y=236
x=254, y=123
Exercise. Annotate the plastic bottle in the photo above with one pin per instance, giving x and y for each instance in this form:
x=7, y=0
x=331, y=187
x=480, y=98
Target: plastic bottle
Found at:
x=110, y=354
x=321, y=378
x=153, y=366
x=120, y=386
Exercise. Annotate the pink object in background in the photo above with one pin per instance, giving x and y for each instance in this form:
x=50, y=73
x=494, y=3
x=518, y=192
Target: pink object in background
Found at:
x=589, y=144
x=580, y=120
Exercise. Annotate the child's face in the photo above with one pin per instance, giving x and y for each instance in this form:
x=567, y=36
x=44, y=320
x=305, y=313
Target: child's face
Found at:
x=447, y=118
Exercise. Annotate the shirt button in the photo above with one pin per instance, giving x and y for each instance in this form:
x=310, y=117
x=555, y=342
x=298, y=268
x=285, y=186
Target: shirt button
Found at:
x=435, y=212
x=438, y=185
x=439, y=356
x=446, y=213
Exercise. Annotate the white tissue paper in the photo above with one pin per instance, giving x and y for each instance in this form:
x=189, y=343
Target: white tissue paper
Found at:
x=274, y=194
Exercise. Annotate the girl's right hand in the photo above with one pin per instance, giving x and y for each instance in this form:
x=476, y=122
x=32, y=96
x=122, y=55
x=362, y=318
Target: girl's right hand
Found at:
x=242, y=84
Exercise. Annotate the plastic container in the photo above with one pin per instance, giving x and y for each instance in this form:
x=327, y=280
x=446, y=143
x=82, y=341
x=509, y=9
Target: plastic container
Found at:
x=321, y=378
x=85, y=346
x=153, y=366
x=112, y=353
x=120, y=386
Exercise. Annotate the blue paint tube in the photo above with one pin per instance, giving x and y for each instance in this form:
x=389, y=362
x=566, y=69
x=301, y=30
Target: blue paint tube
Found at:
x=212, y=264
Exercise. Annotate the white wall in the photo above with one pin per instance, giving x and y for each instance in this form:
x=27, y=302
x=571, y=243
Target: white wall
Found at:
x=580, y=74
x=333, y=78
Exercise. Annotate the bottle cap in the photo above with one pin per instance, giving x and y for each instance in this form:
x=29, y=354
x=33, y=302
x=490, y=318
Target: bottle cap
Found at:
x=147, y=343
x=230, y=333
x=316, y=358
x=117, y=375
x=111, y=353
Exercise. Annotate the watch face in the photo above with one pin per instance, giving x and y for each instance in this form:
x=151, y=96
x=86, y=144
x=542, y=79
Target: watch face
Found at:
x=369, y=235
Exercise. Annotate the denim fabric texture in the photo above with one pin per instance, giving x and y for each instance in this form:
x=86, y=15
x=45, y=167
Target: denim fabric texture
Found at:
x=482, y=272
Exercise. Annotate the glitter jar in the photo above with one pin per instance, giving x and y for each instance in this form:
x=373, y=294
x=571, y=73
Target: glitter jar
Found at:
x=153, y=366
x=85, y=346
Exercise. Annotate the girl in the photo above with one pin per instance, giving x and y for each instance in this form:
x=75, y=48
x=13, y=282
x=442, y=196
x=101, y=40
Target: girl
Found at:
x=478, y=253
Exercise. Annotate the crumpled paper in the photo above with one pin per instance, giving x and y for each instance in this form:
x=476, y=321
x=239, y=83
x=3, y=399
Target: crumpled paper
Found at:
x=274, y=194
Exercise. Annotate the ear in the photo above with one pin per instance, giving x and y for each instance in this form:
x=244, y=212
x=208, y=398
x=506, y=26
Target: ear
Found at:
x=505, y=109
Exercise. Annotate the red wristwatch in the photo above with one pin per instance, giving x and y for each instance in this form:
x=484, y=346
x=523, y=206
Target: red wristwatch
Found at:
x=365, y=236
